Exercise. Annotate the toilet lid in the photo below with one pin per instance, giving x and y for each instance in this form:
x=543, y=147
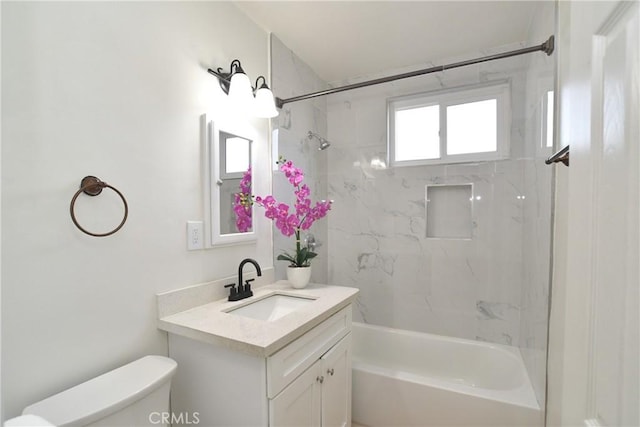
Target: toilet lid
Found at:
x=27, y=420
x=106, y=394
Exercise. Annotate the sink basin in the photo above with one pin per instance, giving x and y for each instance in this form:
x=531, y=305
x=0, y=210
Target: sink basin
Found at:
x=272, y=307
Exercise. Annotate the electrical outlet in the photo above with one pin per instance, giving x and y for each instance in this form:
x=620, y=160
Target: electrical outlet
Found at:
x=194, y=235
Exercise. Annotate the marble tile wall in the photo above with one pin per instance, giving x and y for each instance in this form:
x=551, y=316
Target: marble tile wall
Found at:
x=469, y=288
x=290, y=77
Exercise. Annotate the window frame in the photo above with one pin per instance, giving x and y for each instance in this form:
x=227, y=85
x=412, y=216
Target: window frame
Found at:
x=545, y=84
x=498, y=90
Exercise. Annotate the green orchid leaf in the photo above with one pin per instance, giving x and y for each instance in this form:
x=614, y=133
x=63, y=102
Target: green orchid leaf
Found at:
x=301, y=257
x=286, y=257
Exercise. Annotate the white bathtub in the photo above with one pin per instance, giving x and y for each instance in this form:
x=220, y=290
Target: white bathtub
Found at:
x=403, y=378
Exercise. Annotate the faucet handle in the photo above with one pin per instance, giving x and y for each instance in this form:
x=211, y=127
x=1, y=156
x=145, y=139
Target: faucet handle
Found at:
x=233, y=290
x=247, y=288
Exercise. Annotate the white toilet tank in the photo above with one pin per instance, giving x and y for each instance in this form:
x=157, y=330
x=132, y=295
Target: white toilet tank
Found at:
x=136, y=394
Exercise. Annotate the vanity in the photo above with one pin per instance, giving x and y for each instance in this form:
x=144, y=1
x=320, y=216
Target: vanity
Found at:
x=279, y=358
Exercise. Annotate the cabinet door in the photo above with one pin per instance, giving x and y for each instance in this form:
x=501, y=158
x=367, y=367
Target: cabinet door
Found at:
x=336, y=387
x=299, y=403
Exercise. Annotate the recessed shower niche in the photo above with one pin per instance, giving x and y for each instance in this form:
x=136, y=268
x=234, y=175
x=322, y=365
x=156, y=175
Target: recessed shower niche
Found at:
x=449, y=209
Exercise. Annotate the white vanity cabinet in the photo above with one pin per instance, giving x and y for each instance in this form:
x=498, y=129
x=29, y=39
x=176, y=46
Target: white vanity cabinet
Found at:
x=321, y=396
x=305, y=383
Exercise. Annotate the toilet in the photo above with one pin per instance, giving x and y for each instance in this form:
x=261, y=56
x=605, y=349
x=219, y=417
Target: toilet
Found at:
x=136, y=394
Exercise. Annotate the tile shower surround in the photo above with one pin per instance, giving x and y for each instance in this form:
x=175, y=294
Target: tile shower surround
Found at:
x=476, y=288
x=468, y=288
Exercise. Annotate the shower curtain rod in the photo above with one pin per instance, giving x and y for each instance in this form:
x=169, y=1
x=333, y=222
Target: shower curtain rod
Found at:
x=546, y=47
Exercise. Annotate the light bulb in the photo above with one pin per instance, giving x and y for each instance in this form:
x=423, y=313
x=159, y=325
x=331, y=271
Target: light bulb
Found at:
x=265, y=105
x=240, y=91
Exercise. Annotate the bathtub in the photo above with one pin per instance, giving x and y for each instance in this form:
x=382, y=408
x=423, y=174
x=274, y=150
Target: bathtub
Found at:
x=403, y=378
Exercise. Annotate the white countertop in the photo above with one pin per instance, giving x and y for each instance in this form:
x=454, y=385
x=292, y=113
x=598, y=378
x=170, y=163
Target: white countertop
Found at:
x=210, y=322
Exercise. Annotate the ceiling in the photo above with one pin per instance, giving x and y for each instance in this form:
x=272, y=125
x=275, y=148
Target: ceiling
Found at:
x=344, y=39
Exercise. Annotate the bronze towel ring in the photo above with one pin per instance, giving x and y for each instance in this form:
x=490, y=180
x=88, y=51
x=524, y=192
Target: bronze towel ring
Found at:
x=92, y=186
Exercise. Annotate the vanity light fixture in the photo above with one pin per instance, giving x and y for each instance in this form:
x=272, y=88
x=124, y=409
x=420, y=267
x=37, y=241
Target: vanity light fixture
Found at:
x=237, y=85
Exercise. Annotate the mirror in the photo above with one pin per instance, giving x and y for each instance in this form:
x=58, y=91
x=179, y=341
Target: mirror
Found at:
x=233, y=162
x=228, y=156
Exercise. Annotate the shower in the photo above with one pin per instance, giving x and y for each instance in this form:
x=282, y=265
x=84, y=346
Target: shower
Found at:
x=385, y=235
x=324, y=144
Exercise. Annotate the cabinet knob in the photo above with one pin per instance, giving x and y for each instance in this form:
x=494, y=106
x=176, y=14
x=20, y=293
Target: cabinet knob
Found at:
x=320, y=379
x=330, y=371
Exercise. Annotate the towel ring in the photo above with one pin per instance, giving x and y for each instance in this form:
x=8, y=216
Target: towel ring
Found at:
x=92, y=186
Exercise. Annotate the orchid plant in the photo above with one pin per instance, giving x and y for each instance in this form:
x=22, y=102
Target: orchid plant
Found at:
x=289, y=221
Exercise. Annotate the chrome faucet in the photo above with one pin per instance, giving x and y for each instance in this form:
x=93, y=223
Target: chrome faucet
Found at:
x=244, y=290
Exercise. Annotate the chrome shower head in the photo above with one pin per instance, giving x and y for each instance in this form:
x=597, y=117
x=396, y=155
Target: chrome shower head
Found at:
x=324, y=144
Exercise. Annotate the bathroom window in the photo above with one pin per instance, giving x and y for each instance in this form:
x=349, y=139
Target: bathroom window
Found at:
x=452, y=126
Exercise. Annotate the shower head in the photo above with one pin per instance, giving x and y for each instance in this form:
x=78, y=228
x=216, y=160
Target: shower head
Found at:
x=324, y=144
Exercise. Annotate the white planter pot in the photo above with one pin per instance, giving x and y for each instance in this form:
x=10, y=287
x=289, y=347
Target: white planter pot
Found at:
x=299, y=276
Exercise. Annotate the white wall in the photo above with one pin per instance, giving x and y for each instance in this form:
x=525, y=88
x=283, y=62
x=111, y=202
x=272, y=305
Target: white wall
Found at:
x=593, y=339
x=116, y=90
